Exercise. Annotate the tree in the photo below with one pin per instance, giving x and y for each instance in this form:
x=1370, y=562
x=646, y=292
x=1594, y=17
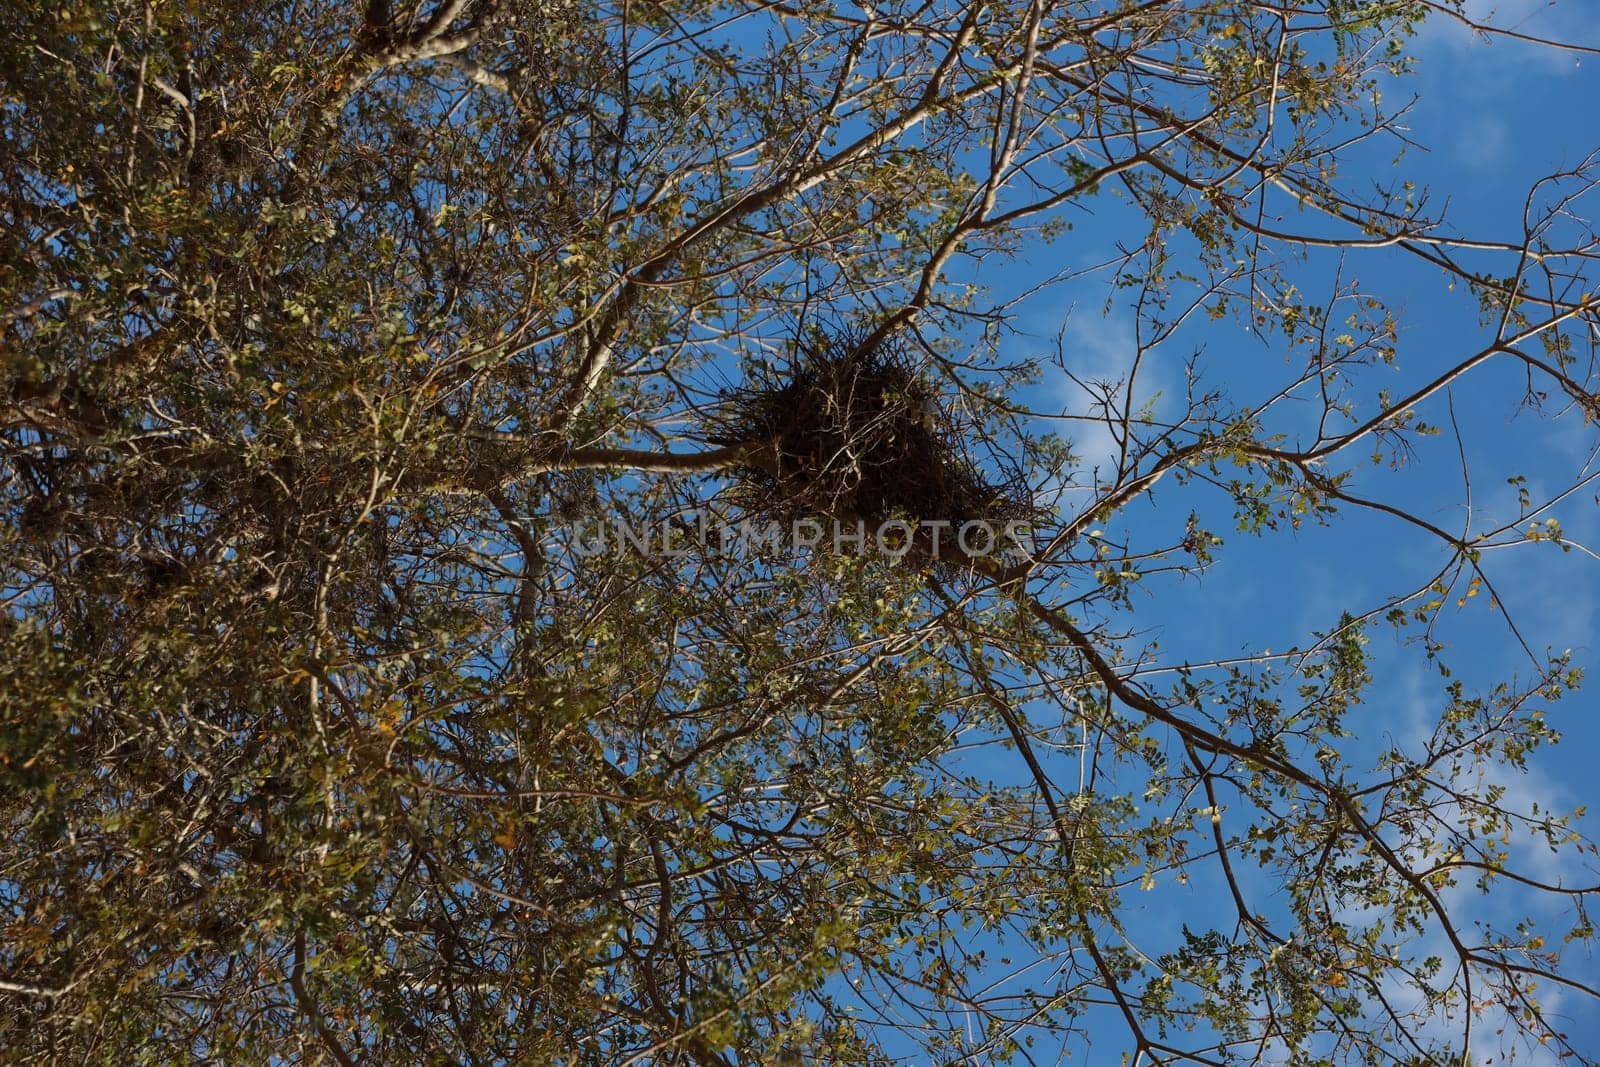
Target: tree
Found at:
x=330, y=334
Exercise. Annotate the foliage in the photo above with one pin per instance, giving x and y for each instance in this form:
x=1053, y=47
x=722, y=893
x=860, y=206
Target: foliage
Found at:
x=322, y=325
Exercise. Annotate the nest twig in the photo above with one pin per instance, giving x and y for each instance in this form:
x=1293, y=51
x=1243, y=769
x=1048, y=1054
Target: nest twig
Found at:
x=857, y=433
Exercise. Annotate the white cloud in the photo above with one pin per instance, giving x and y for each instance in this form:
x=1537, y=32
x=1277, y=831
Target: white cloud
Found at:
x=1495, y=57
x=1100, y=353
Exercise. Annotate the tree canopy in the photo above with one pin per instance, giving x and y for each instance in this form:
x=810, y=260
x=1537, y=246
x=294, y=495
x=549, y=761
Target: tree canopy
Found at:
x=334, y=729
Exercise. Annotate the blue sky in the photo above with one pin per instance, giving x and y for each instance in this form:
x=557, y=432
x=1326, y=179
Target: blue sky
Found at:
x=1490, y=119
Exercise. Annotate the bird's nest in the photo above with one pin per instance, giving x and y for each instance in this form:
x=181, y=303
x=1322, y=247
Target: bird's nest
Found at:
x=854, y=432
